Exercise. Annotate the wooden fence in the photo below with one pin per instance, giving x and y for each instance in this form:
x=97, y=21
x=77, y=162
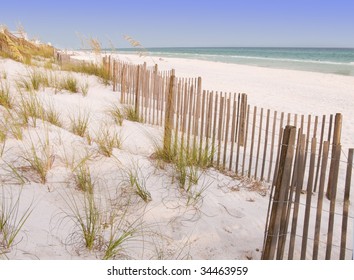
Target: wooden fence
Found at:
x=286, y=236
x=222, y=130
x=238, y=137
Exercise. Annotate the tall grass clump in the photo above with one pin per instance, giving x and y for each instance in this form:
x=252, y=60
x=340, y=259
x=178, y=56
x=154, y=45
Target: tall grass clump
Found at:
x=105, y=229
x=90, y=68
x=52, y=116
x=3, y=137
x=115, y=113
x=70, y=84
x=6, y=99
x=120, y=231
x=12, y=125
x=83, y=178
x=40, y=157
x=85, y=214
x=79, y=123
x=30, y=108
x=33, y=81
x=73, y=158
x=107, y=141
x=137, y=182
x=187, y=163
x=84, y=88
x=131, y=115
x=12, y=219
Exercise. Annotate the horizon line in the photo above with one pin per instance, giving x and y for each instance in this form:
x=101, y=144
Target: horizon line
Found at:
x=210, y=47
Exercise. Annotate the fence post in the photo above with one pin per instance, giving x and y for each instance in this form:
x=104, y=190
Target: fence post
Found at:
x=167, y=140
x=282, y=185
x=336, y=142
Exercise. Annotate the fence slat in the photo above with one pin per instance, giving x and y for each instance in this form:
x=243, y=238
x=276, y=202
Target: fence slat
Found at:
x=333, y=193
x=259, y=143
x=289, y=201
x=308, y=199
x=252, y=140
x=209, y=122
x=226, y=131
x=272, y=146
x=246, y=138
x=214, y=126
x=190, y=113
x=348, y=179
x=221, y=114
x=320, y=152
x=336, y=141
x=233, y=128
x=298, y=185
x=265, y=145
x=202, y=125
x=281, y=188
x=320, y=200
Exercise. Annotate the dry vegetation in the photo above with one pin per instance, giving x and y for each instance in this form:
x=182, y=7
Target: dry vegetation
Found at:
x=20, y=49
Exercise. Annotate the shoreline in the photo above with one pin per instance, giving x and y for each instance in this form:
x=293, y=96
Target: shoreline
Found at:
x=339, y=61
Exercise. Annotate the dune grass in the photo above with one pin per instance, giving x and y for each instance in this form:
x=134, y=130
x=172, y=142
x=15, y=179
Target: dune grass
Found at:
x=70, y=84
x=52, y=116
x=12, y=219
x=131, y=115
x=90, y=69
x=120, y=232
x=22, y=50
x=79, y=123
x=107, y=141
x=87, y=218
x=116, y=114
x=12, y=125
x=84, y=88
x=187, y=163
x=33, y=81
x=3, y=138
x=30, y=108
x=136, y=180
x=39, y=156
x=6, y=100
x=83, y=179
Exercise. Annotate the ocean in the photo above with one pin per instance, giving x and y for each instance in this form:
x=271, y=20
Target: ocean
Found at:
x=326, y=60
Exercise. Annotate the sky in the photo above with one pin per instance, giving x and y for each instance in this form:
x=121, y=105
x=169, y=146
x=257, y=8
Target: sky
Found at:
x=183, y=23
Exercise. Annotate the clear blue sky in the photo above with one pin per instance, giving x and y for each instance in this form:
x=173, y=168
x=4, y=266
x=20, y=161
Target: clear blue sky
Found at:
x=172, y=23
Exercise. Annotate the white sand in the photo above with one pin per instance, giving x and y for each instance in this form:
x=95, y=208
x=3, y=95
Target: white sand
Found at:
x=226, y=223
x=289, y=91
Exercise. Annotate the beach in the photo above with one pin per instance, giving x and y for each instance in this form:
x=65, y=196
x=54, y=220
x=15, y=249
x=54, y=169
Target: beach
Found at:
x=289, y=91
x=226, y=221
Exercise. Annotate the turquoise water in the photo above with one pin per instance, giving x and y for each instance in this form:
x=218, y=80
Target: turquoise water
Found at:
x=325, y=60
